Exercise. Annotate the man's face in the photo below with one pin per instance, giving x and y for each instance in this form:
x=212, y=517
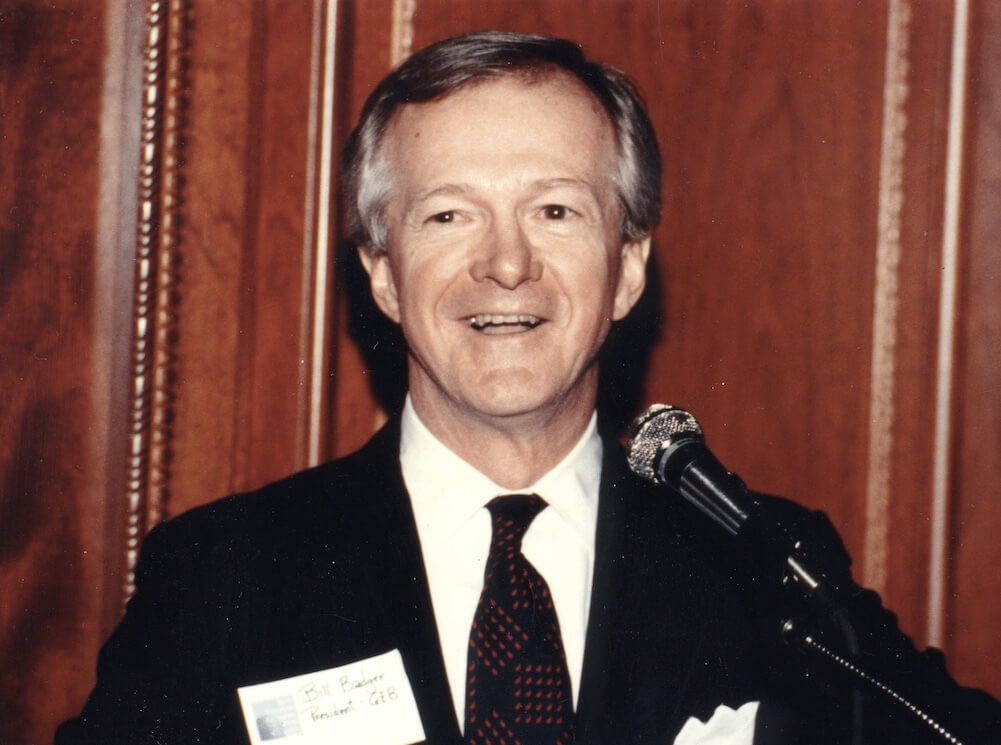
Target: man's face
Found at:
x=505, y=264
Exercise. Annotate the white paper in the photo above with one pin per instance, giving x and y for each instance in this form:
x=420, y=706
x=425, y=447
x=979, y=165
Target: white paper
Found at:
x=369, y=701
x=725, y=727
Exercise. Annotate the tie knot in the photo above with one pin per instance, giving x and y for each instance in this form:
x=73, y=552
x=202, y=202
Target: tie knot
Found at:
x=511, y=515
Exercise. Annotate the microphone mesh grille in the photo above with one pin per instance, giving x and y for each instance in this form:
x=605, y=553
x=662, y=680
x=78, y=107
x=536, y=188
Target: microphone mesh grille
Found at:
x=653, y=431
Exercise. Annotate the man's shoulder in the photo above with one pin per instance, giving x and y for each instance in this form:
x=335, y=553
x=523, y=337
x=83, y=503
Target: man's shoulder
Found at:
x=655, y=506
x=339, y=492
x=666, y=534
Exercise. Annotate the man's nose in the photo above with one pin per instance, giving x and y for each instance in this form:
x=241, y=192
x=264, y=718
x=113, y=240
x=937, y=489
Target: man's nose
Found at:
x=507, y=257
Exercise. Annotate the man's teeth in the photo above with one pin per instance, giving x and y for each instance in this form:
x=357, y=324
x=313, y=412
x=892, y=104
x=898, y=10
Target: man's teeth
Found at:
x=483, y=320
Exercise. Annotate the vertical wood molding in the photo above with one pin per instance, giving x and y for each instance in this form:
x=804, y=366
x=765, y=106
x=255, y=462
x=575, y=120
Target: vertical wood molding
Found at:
x=306, y=412
x=938, y=568
x=317, y=233
x=401, y=46
x=884, y=334
x=401, y=40
x=156, y=259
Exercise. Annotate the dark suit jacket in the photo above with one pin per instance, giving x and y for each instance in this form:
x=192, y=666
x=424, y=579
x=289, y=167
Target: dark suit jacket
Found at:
x=324, y=568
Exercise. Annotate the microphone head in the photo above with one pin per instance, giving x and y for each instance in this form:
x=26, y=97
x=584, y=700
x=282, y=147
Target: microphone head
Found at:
x=656, y=431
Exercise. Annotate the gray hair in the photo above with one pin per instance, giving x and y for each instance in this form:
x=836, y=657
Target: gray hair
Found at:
x=451, y=64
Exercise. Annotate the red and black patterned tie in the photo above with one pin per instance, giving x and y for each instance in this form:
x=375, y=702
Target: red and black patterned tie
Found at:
x=517, y=684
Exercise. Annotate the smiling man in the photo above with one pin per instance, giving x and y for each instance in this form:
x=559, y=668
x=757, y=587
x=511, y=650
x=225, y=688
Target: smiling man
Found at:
x=487, y=569
x=505, y=265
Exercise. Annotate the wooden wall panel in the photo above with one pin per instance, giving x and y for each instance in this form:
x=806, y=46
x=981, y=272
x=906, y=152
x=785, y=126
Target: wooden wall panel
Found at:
x=361, y=336
x=767, y=244
x=974, y=599
x=211, y=243
x=277, y=270
x=244, y=288
x=902, y=570
x=55, y=400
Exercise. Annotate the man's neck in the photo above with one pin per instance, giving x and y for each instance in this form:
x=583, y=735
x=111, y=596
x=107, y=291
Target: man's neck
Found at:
x=513, y=452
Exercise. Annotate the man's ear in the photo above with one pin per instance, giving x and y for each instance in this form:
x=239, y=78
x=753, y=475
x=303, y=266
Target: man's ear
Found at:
x=380, y=277
x=632, y=277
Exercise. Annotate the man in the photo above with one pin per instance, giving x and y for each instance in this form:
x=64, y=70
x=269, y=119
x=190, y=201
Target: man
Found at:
x=502, y=190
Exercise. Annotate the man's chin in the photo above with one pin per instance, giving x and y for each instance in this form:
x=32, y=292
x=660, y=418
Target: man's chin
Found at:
x=496, y=408
x=525, y=405
x=504, y=397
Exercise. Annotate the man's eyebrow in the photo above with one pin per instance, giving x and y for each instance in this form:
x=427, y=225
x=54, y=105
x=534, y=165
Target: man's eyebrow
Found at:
x=538, y=185
x=561, y=182
x=441, y=190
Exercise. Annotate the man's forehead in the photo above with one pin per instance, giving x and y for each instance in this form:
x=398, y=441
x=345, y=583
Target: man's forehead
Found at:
x=505, y=138
x=537, y=83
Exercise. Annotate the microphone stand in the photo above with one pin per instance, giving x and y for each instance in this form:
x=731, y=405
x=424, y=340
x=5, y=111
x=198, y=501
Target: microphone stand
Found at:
x=788, y=556
x=795, y=636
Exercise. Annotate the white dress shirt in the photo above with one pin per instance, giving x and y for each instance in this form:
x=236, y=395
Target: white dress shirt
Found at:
x=449, y=500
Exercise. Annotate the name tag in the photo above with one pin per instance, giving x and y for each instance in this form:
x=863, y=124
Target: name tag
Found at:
x=367, y=701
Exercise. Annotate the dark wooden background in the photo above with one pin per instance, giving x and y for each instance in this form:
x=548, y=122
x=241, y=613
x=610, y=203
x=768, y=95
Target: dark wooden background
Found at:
x=800, y=302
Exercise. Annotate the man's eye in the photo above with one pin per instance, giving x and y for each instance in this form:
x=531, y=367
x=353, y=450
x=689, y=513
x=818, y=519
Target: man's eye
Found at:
x=444, y=217
x=555, y=212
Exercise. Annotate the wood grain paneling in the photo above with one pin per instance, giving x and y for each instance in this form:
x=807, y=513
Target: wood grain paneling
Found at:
x=768, y=244
x=974, y=599
x=55, y=401
x=902, y=576
x=243, y=283
x=367, y=351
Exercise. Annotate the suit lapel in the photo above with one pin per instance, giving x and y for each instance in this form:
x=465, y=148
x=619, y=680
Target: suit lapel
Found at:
x=646, y=624
x=394, y=584
x=611, y=705
x=596, y=689
x=408, y=609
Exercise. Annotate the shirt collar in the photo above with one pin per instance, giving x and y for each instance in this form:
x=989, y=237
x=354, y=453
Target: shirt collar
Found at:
x=446, y=491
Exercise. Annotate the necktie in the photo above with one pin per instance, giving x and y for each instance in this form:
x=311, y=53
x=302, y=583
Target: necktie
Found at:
x=517, y=685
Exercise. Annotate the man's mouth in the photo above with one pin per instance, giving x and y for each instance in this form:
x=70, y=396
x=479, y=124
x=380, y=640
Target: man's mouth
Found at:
x=497, y=323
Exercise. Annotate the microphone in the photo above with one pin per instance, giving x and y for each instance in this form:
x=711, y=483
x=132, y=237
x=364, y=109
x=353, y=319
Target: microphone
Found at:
x=666, y=446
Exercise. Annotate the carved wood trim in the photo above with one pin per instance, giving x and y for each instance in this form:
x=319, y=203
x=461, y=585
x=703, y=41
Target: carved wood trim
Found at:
x=401, y=41
x=315, y=331
x=156, y=258
x=891, y=199
x=939, y=562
